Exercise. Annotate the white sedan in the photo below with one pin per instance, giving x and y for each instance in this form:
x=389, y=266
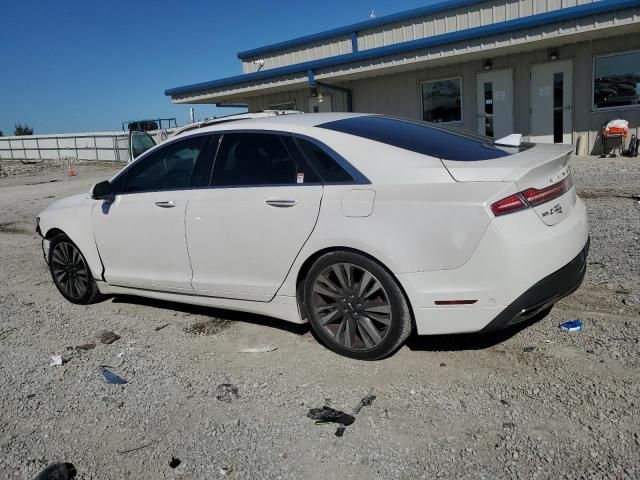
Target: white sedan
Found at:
x=368, y=227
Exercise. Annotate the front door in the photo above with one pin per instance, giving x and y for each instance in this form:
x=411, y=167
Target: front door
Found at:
x=494, y=94
x=141, y=234
x=551, y=102
x=245, y=232
x=320, y=103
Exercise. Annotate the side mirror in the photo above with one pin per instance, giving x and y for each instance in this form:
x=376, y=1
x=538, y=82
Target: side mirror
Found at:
x=102, y=191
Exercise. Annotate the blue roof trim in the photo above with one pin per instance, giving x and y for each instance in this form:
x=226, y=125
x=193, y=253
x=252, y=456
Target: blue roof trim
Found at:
x=471, y=33
x=355, y=27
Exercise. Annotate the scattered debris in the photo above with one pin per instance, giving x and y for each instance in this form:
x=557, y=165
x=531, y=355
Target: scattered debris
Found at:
x=56, y=361
x=114, y=401
x=208, y=327
x=112, y=378
x=529, y=349
x=226, y=392
x=330, y=415
x=265, y=349
x=365, y=402
x=572, y=326
x=226, y=470
x=160, y=327
x=114, y=362
x=107, y=337
x=128, y=450
x=632, y=300
x=57, y=471
x=174, y=462
x=326, y=415
x=86, y=346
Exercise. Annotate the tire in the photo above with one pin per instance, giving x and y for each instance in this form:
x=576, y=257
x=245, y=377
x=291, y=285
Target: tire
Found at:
x=355, y=307
x=70, y=272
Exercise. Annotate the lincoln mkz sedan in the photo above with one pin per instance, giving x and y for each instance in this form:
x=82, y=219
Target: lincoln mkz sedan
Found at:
x=368, y=227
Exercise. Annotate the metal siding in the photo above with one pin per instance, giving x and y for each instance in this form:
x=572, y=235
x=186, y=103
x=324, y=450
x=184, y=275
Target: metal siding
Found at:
x=329, y=48
x=477, y=15
x=399, y=93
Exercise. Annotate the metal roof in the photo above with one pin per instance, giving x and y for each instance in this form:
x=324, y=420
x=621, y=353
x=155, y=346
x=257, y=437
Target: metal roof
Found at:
x=555, y=16
x=356, y=27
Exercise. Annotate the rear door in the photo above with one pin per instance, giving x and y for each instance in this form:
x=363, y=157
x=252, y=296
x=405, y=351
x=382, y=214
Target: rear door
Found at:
x=245, y=231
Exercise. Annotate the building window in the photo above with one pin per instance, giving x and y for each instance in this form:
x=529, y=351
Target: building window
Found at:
x=442, y=100
x=283, y=106
x=616, y=80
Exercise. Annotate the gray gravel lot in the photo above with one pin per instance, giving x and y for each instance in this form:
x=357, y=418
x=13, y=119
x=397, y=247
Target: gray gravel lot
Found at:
x=536, y=403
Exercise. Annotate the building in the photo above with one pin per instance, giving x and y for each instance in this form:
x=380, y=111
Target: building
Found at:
x=553, y=70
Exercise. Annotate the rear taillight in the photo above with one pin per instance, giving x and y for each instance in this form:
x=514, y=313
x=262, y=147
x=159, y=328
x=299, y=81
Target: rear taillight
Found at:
x=531, y=197
x=537, y=197
x=509, y=205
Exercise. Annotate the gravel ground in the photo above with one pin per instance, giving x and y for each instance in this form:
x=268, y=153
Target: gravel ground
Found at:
x=531, y=403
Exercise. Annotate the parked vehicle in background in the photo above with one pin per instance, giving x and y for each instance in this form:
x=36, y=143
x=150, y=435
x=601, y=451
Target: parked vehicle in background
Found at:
x=368, y=227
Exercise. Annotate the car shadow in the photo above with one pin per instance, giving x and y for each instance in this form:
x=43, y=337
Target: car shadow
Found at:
x=467, y=341
x=218, y=313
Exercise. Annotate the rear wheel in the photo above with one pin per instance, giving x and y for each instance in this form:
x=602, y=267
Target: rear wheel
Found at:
x=355, y=306
x=70, y=272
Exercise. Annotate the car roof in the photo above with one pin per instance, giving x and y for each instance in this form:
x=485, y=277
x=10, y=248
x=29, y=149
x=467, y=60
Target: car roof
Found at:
x=276, y=122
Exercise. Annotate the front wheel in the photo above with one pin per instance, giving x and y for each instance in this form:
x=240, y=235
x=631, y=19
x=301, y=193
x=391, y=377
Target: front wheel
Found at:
x=355, y=306
x=70, y=272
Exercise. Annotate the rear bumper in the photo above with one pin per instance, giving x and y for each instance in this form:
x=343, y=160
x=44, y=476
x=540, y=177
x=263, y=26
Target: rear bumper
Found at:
x=517, y=255
x=543, y=294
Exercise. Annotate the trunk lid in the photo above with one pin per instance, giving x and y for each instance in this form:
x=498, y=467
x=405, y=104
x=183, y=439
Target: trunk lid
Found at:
x=537, y=167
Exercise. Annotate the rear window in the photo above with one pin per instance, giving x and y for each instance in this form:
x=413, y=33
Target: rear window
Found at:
x=422, y=137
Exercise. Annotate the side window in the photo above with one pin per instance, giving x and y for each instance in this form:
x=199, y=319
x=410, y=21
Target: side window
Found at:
x=325, y=165
x=254, y=159
x=168, y=168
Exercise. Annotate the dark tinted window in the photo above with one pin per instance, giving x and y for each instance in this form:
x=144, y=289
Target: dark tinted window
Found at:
x=616, y=80
x=422, y=138
x=168, y=168
x=254, y=159
x=323, y=163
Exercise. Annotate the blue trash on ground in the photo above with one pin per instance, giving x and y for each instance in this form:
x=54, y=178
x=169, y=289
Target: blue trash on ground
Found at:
x=572, y=326
x=111, y=377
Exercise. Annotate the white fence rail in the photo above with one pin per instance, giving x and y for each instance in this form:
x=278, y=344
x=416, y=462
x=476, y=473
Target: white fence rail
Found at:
x=103, y=146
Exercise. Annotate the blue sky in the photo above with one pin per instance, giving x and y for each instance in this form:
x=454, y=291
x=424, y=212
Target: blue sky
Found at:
x=77, y=66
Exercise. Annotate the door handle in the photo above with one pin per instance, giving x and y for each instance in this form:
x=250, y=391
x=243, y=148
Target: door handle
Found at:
x=279, y=203
x=169, y=204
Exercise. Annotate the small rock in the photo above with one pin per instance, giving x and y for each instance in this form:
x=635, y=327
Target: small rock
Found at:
x=226, y=392
x=107, y=337
x=174, y=462
x=529, y=349
x=86, y=346
x=412, y=392
x=632, y=300
x=443, y=364
x=113, y=401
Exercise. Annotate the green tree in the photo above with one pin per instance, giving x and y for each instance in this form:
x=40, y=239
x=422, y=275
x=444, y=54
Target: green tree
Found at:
x=23, y=129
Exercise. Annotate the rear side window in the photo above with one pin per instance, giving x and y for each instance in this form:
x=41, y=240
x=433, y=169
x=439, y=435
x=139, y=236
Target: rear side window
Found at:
x=246, y=159
x=421, y=137
x=326, y=166
x=168, y=168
